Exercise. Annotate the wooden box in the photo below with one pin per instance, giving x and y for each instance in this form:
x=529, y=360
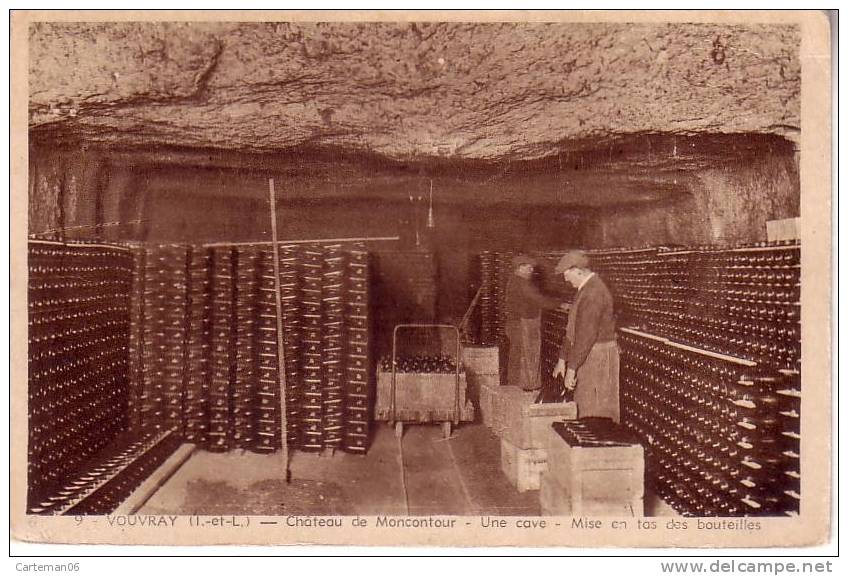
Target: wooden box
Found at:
x=556, y=500
x=525, y=424
x=500, y=402
x=594, y=481
x=785, y=229
x=481, y=360
x=484, y=387
x=422, y=397
x=552, y=497
x=523, y=468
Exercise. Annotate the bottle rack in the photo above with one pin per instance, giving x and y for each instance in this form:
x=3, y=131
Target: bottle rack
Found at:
x=227, y=395
x=743, y=301
x=737, y=309
x=112, y=476
x=78, y=305
x=553, y=335
x=721, y=434
x=490, y=273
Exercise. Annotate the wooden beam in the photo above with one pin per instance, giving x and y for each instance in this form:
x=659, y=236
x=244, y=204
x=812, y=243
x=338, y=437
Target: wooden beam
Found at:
x=306, y=241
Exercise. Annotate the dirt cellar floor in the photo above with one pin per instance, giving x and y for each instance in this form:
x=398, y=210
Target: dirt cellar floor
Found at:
x=422, y=474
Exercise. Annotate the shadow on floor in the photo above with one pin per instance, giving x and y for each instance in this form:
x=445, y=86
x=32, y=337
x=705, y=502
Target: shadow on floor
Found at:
x=424, y=474
x=456, y=476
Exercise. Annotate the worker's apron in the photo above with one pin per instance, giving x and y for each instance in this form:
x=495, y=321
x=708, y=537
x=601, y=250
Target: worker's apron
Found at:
x=597, y=383
x=525, y=343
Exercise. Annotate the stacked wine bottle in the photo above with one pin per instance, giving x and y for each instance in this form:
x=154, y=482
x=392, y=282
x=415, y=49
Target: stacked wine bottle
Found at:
x=743, y=302
x=112, y=475
x=735, y=451
x=229, y=396
x=162, y=337
x=421, y=363
x=715, y=428
x=738, y=307
x=553, y=335
x=635, y=281
x=78, y=388
x=486, y=327
x=198, y=329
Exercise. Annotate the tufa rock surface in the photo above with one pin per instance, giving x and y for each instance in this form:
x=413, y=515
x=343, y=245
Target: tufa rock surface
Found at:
x=501, y=91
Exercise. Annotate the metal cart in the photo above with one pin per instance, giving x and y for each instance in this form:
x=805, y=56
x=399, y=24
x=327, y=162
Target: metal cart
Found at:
x=423, y=396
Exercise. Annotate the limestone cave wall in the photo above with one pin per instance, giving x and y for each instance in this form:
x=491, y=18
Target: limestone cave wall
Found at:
x=725, y=204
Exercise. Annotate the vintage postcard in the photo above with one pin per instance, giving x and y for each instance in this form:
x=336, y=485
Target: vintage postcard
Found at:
x=414, y=278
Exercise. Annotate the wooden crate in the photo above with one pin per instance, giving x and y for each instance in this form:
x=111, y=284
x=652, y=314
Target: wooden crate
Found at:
x=556, y=500
x=529, y=424
x=599, y=481
x=481, y=360
x=523, y=468
x=421, y=397
x=552, y=497
x=525, y=424
x=484, y=388
x=785, y=229
x=500, y=412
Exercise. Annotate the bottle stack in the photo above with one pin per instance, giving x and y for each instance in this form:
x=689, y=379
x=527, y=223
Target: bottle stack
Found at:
x=163, y=336
x=247, y=281
x=128, y=345
x=136, y=336
x=293, y=320
x=198, y=357
x=422, y=364
x=553, y=335
x=710, y=377
x=312, y=339
x=485, y=318
x=713, y=428
x=743, y=302
x=636, y=284
x=504, y=272
x=230, y=394
x=789, y=428
x=357, y=352
x=79, y=333
x=267, y=383
x=111, y=475
x=334, y=266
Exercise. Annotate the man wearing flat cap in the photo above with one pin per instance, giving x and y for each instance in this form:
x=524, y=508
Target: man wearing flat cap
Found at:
x=589, y=358
x=524, y=305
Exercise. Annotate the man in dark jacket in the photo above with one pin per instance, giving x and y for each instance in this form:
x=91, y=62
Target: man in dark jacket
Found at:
x=524, y=305
x=589, y=359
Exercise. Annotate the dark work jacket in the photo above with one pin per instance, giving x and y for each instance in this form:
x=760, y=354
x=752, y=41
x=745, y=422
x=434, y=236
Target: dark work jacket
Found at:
x=524, y=300
x=592, y=322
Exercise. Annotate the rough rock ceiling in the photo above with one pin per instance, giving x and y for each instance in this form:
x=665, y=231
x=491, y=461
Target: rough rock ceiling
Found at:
x=492, y=92
x=597, y=172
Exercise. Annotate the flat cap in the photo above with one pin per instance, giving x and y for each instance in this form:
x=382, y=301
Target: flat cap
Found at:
x=572, y=259
x=522, y=259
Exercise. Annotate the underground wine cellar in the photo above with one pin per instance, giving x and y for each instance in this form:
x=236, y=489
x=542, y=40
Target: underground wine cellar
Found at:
x=269, y=267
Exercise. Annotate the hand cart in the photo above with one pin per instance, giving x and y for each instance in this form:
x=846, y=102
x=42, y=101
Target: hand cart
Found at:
x=420, y=397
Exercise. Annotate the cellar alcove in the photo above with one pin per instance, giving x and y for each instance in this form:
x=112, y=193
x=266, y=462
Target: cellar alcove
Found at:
x=167, y=152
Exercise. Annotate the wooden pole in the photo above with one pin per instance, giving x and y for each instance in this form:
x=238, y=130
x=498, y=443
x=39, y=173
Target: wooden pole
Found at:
x=307, y=241
x=467, y=317
x=281, y=354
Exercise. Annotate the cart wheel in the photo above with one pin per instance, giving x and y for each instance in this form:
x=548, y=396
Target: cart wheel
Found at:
x=446, y=429
x=399, y=429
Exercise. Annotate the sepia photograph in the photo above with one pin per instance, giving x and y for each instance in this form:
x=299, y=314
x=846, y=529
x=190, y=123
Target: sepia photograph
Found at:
x=485, y=278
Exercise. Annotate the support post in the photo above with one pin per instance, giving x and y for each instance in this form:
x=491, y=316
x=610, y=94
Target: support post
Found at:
x=281, y=354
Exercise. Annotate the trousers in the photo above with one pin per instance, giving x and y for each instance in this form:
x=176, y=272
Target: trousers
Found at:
x=597, y=383
x=524, y=355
